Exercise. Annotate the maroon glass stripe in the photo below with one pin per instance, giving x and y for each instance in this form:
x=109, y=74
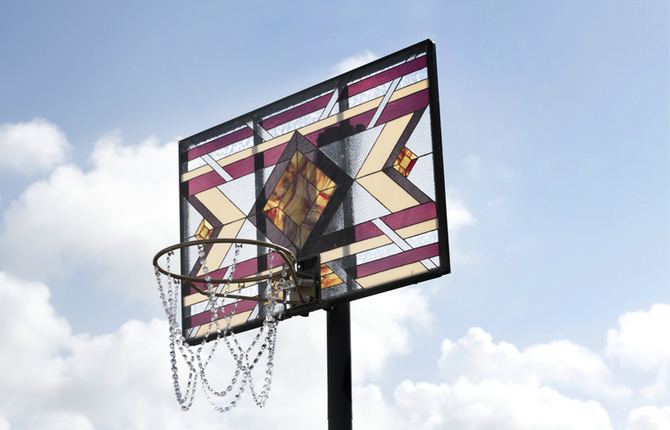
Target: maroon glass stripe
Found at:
x=398, y=260
x=204, y=182
x=411, y=216
x=242, y=269
x=206, y=316
x=272, y=156
x=387, y=76
x=220, y=143
x=296, y=112
x=246, y=165
x=241, y=167
x=246, y=268
x=366, y=231
x=405, y=105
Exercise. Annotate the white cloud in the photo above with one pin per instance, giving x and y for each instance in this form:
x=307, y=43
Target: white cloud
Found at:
x=459, y=215
x=59, y=421
x=32, y=147
x=466, y=405
x=32, y=336
x=643, y=338
x=354, y=61
x=371, y=412
x=122, y=380
x=649, y=418
x=556, y=364
x=380, y=329
x=495, y=404
x=113, y=218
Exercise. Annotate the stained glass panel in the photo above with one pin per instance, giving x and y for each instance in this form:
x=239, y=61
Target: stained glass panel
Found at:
x=346, y=174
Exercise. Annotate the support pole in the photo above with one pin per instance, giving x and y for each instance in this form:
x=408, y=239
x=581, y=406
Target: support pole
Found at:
x=339, y=368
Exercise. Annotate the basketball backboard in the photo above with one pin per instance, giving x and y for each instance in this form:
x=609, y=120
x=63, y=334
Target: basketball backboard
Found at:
x=346, y=174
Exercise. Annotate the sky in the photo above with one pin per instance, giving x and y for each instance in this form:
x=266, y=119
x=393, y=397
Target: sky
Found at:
x=555, y=126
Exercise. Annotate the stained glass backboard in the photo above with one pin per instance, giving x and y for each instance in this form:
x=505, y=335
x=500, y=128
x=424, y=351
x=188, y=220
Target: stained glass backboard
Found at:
x=346, y=174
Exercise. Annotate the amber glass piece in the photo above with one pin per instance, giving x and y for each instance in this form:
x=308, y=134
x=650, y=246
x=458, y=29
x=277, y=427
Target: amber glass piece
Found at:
x=322, y=182
x=298, y=199
x=405, y=161
x=204, y=230
x=306, y=168
x=328, y=277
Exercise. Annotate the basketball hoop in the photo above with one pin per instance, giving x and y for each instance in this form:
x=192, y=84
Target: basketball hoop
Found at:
x=284, y=286
x=352, y=182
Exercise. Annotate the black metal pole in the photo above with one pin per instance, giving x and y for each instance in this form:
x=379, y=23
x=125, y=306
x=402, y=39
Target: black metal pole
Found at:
x=339, y=368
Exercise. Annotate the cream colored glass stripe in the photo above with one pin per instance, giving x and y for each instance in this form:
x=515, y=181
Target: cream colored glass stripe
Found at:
x=236, y=320
x=354, y=248
x=409, y=90
x=195, y=173
x=194, y=298
x=392, y=275
x=419, y=228
x=219, y=205
x=387, y=191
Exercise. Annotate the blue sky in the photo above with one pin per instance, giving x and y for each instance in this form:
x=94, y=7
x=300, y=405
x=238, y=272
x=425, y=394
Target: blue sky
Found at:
x=555, y=130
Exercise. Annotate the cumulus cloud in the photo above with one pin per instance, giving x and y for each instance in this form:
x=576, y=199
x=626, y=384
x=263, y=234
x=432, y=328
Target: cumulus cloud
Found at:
x=381, y=329
x=466, y=405
x=558, y=363
x=354, y=61
x=494, y=404
x=32, y=336
x=59, y=421
x=114, y=217
x=32, y=147
x=459, y=215
x=59, y=380
x=643, y=338
x=122, y=380
x=649, y=418
x=488, y=385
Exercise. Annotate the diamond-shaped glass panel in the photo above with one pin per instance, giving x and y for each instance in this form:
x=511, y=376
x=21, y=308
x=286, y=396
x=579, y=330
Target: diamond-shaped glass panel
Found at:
x=299, y=198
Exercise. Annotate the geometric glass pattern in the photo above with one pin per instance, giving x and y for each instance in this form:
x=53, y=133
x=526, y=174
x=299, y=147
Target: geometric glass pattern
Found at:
x=405, y=161
x=346, y=174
